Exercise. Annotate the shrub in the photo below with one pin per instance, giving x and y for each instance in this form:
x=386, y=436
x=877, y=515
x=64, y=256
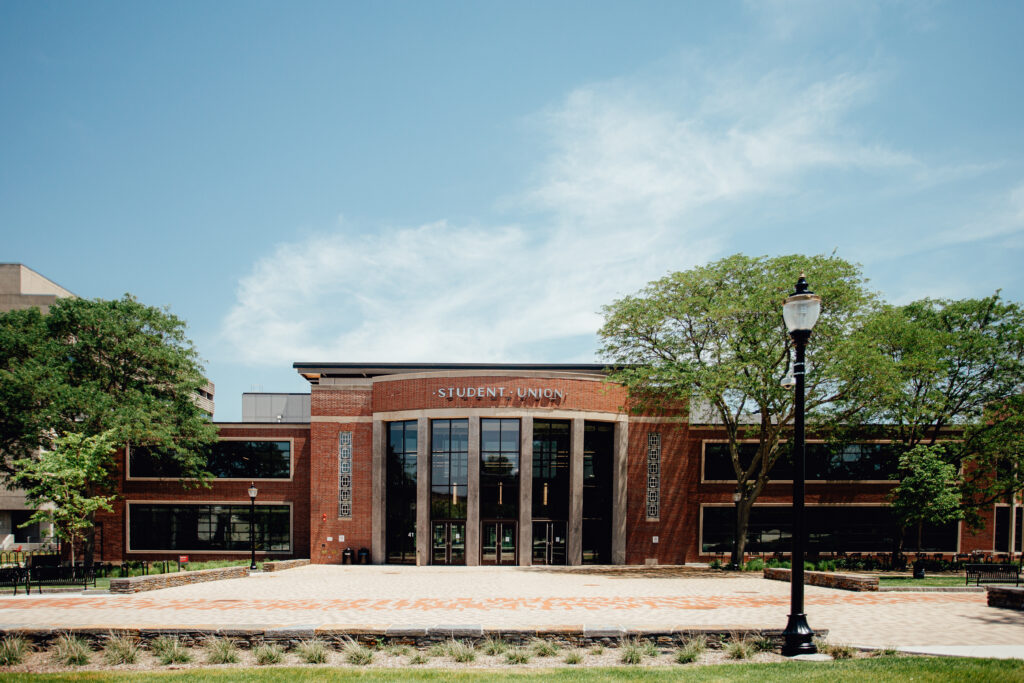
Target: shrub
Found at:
x=70, y=650
x=493, y=646
x=739, y=648
x=170, y=651
x=120, y=650
x=268, y=653
x=357, y=654
x=754, y=565
x=715, y=564
x=544, y=648
x=825, y=566
x=763, y=644
x=692, y=650
x=12, y=651
x=517, y=655
x=778, y=564
x=312, y=651
x=221, y=651
x=573, y=657
x=461, y=651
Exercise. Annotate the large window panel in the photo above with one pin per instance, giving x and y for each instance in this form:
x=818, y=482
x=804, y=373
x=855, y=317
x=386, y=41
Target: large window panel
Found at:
x=400, y=523
x=499, y=468
x=225, y=460
x=849, y=462
x=449, y=468
x=551, y=469
x=180, y=527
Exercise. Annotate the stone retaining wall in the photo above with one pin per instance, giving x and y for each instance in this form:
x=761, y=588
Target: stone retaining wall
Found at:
x=281, y=565
x=414, y=636
x=138, y=584
x=1009, y=597
x=846, y=582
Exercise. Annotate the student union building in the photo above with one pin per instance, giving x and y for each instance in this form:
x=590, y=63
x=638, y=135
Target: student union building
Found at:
x=493, y=464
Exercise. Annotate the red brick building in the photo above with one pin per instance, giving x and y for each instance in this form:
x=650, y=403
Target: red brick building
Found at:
x=493, y=464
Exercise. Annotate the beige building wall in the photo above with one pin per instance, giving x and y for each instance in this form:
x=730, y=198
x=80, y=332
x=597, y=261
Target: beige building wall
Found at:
x=21, y=287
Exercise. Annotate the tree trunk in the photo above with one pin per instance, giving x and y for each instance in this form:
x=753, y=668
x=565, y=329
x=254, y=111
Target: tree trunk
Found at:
x=739, y=542
x=920, y=526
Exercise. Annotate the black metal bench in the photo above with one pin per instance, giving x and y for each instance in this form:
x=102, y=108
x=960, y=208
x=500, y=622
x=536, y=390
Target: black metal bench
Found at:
x=992, y=573
x=12, y=577
x=60, y=576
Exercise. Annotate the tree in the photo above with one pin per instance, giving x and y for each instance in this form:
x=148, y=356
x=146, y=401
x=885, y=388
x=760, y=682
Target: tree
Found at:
x=955, y=369
x=62, y=483
x=928, y=491
x=93, y=367
x=714, y=337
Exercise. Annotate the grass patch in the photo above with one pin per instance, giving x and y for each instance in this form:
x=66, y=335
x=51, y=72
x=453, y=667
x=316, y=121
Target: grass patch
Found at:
x=927, y=581
x=268, y=653
x=312, y=651
x=419, y=658
x=394, y=650
x=597, y=650
x=170, y=651
x=884, y=669
x=630, y=652
x=691, y=650
x=70, y=650
x=573, y=657
x=355, y=653
x=493, y=646
x=543, y=648
x=517, y=655
x=221, y=651
x=120, y=650
x=12, y=651
x=438, y=650
x=461, y=651
x=740, y=648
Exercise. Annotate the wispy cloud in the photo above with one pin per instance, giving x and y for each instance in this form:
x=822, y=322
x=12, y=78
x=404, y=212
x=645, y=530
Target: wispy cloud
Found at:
x=632, y=183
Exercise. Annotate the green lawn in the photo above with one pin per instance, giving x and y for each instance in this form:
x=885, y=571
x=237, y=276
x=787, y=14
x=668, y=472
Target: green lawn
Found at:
x=927, y=581
x=917, y=669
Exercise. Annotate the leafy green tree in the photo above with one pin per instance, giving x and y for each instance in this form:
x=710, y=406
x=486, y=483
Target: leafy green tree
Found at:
x=63, y=483
x=928, y=492
x=955, y=369
x=92, y=366
x=713, y=337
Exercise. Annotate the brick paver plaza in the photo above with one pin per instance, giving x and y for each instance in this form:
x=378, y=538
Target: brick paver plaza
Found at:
x=333, y=597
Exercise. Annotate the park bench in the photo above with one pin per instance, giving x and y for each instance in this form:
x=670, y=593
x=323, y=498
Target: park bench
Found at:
x=992, y=573
x=60, y=576
x=12, y=577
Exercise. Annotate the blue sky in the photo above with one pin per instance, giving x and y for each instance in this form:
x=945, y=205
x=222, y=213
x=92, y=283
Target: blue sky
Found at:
x=472, y=181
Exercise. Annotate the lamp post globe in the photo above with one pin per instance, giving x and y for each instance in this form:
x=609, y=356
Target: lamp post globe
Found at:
x=800, y=312
x=252, y=526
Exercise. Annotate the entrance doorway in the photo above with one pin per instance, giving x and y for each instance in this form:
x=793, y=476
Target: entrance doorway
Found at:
x=499, y=543
x=448, y=543
x=549, y=542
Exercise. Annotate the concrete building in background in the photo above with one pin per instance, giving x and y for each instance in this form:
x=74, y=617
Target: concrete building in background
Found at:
x=21, y=287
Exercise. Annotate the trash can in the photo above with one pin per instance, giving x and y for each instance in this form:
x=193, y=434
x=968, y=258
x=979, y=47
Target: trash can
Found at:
x=346, y=556
x=364, y=556
x=919, y=569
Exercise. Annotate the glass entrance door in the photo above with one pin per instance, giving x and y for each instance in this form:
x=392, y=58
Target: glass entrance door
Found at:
x=448, y=543
x=498, y=543
x=549, y=540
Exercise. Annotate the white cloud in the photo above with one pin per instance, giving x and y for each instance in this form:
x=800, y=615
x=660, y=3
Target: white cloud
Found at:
x=633, y=186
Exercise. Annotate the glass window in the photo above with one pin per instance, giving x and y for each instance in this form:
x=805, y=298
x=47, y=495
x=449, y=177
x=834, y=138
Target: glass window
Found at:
x=400, y=524
x=499, y=468
x=598, y=446
x=551, y=469
x=852, y=528
x=176, y=527
x=449, y=468
x=850, y=462
x=225, y=460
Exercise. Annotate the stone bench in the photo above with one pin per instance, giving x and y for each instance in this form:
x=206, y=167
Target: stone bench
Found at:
x=281, y=565
x=138, y=584
x=846, y=582
x=1007, y=597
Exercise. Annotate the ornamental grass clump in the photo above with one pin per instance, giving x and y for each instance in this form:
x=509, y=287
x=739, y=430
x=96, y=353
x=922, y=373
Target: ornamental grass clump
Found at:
x=12, y=651
x=120, y=650
x=493, y=646
x=438, y=650
x=517, y=655
x=574, y=657
x=739, y=648
x=312, y=651
x=221, y=651
x=170, y=651
x=395, y=650
x=630, y=652
x=70, y=650
x=691, y=650
x=419, y=658
x=355, y=653
x=461, y=651
x=544, y=648
x=268, y=653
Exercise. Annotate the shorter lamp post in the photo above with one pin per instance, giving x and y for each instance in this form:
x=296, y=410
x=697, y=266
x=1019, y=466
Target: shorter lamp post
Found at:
x=800, y=312
x=252, y=525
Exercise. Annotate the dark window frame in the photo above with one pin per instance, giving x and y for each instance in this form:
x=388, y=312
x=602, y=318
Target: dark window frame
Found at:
x=169, y=473
x=210, y=515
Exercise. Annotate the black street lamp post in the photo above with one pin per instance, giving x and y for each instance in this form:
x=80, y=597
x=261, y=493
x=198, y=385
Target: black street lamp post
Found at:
x=800, y=313
x=252, y=526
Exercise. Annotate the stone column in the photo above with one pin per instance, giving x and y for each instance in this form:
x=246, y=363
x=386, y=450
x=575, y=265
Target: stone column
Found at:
x=423, y=491
x=526, y=491
x=377, y=516
x=575, y=548
x=473, y=495
x=620, y=461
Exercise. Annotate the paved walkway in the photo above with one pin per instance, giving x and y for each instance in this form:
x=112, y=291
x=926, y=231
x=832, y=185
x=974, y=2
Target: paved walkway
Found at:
x=334, y=597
